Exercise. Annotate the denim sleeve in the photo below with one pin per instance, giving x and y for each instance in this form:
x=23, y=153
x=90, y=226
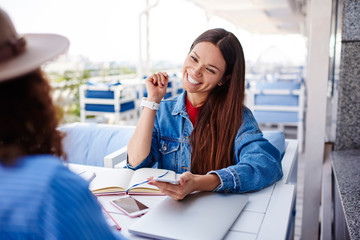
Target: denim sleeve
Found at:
x=257, y=165
x=154, y=154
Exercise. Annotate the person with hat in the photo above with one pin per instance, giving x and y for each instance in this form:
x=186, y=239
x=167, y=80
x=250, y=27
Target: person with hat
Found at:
x=40, y=198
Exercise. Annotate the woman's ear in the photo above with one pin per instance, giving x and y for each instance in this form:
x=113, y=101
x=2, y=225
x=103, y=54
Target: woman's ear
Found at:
x=224, y=80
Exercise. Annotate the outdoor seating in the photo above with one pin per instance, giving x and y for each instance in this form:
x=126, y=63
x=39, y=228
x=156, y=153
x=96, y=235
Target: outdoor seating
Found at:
x=100, y=99
x=89, y=143
x=278, y=103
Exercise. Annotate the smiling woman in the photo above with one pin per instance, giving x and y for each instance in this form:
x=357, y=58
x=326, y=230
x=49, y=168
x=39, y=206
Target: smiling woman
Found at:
x=203, y=70
x=206, y=134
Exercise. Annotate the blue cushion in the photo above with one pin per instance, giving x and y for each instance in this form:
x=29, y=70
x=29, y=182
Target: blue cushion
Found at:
x=276, y=138
x=105, y=94
x=99, y=94
x=88, y=144
x=280, y=100
x=276, y=117
x=110, y=108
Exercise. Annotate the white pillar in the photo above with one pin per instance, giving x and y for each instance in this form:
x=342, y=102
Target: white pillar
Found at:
x=208, y=18
x=148, y=58
x=319, y=20
x=140, y=69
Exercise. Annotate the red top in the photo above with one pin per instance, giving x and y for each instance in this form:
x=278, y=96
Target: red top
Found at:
x=193, y=112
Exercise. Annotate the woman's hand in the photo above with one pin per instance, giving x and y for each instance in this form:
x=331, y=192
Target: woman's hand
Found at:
x=188, y=183
x=156, y=85
x=186, y=186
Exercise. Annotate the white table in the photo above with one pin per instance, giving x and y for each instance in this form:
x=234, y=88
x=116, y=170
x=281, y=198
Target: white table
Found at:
x=267, y=215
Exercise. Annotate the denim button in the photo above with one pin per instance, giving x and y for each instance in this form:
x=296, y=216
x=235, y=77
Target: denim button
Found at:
x=165, y=147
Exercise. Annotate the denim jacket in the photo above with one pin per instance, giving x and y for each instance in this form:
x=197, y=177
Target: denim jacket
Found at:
x=257, y=161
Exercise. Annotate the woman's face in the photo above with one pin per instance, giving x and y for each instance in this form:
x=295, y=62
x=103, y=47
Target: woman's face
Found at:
x=203, y=68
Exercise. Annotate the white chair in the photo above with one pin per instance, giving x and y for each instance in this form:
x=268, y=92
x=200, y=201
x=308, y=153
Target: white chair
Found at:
x=100, y=100
x=280, y=104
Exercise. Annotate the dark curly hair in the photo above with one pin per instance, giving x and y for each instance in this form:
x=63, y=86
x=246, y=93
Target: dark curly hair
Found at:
x=28, y=118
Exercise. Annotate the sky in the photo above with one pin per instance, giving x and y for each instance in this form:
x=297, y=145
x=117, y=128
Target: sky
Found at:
x=108, y=30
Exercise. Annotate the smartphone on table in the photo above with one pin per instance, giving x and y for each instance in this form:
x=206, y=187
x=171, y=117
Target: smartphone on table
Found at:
x=130, y=206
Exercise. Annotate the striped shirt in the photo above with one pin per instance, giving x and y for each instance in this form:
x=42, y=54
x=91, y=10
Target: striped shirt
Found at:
x=41, y=199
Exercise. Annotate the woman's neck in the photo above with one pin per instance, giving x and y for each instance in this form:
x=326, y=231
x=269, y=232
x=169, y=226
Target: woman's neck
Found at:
x=196, y=99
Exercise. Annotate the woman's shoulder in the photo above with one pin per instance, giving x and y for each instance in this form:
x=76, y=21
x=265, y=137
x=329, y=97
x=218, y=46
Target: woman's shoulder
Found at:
x=249, y=122
x=249, y=129
x=47, y=169
x=42, y=164
x=37, y=178
x=56, y=179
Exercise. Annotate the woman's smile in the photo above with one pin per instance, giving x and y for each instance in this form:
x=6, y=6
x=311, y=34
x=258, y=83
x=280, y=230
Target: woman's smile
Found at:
x=203, y=69
x=191, y=80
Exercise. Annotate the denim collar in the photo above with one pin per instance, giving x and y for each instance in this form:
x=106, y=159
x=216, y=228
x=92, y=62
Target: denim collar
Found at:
x=180, y=107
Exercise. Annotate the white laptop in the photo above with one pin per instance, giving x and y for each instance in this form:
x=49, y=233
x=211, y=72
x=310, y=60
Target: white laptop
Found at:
x=202, y=215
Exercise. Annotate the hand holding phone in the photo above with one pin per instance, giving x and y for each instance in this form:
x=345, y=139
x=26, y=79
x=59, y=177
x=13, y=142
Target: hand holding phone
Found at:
x=175, y=181
x=130, y=206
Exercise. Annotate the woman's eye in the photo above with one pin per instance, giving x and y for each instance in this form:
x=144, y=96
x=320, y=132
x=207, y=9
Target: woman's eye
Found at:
x=194, y=58
x=210, y=70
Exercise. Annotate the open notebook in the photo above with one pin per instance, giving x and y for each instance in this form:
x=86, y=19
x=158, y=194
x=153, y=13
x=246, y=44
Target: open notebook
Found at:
x=107, y=181
x=124, y=180
x=202, y=215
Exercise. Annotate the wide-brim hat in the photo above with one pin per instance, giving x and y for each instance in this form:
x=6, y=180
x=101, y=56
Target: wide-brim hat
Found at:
x=22, y=54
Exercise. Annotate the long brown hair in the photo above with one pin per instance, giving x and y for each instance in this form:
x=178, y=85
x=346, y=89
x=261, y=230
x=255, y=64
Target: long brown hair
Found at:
x=27, y=118
x=220, y=117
